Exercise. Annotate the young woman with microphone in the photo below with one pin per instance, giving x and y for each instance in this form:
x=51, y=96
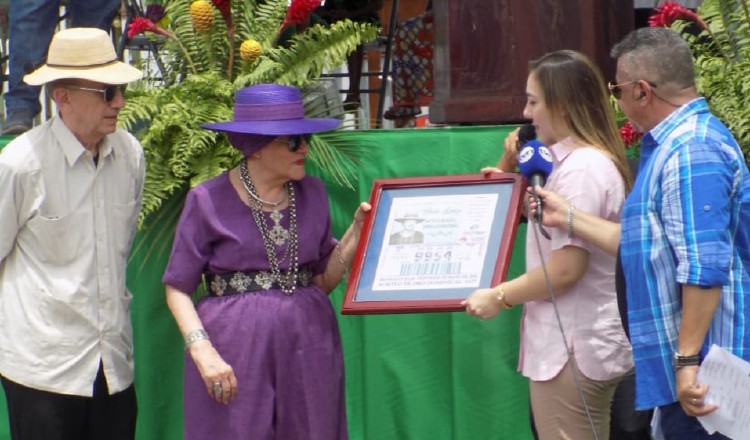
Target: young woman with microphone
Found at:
x=573, y=348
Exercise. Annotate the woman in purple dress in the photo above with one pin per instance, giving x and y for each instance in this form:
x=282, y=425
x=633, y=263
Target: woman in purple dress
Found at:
x=264, y=356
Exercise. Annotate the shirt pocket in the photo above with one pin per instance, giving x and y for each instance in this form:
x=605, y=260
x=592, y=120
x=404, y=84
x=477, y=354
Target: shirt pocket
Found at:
x=124, y=223
x=59, y=240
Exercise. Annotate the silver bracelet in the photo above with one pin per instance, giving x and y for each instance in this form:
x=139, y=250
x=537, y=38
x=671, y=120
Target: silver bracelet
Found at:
x=571, y=211
x=195, y=336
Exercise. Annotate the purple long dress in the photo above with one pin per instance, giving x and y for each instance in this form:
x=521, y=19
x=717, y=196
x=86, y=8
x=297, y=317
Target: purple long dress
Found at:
x=285, y=350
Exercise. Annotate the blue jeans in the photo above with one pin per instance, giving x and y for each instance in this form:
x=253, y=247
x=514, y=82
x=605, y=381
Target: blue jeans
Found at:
x=677, y=425
x=32, y=23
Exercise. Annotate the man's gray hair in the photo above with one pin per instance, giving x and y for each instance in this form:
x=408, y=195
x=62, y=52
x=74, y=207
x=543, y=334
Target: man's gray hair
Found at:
x=656, y=54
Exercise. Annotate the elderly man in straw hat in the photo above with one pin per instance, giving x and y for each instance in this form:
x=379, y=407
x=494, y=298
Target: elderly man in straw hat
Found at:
x=73, y=188
x=408, y=234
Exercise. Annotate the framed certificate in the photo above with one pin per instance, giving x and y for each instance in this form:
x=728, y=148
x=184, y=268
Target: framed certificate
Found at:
x=430, y=241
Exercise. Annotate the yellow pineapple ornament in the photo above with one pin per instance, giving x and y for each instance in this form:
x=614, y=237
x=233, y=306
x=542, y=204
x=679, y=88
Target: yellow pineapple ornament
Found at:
x=250, y=50
x=202, y=15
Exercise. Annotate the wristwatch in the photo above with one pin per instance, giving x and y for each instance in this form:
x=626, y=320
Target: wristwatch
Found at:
x=680, y=360
x=501, y=297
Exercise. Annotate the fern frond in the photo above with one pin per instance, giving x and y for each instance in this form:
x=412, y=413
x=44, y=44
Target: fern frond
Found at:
x=168, y=118
x=318, y=48
x=725, y=85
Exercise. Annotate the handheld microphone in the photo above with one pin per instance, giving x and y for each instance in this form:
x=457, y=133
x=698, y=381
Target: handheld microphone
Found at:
x=535, y=163
x=526, y=134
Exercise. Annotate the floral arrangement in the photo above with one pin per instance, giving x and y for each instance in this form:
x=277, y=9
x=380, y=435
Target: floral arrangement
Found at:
x=719, y=36
x=666, y=14
x=198, y=74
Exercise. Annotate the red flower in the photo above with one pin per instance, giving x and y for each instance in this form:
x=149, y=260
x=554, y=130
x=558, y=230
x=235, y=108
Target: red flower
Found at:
x=629, y=135
x=140, y=25
x=670, y=12
x=225, y=8
x=299, y=11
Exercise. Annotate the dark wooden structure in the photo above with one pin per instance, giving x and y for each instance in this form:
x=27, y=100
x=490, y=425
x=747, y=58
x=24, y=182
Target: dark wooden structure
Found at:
x=483, y=47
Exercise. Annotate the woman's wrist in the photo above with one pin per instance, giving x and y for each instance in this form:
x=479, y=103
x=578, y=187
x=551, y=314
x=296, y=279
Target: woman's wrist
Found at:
x=195, y=336
x=501, y=298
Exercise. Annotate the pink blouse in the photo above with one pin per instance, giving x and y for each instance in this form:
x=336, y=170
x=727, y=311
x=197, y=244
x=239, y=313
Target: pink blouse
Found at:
x=588, y=310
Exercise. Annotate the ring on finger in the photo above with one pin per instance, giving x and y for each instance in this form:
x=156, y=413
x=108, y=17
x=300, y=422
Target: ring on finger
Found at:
x=217, y=388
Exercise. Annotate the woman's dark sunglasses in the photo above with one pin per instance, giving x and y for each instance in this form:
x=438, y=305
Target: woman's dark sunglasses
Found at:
x=294, y=143
x=109, y=92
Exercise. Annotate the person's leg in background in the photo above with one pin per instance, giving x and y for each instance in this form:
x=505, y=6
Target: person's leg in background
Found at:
x=676, y=425
x=93, y=13
x=626, y=422
x=35, y=21
x=412, y=69
x=32, y=23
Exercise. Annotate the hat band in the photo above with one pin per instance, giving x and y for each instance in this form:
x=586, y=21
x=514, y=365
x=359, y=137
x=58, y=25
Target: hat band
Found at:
x=268, y=112
x=87, y=66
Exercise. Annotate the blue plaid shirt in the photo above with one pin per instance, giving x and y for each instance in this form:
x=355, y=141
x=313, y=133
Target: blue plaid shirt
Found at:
x=687, y=221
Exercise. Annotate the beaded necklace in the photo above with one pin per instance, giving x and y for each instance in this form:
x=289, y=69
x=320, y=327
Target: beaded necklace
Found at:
x=277, y=234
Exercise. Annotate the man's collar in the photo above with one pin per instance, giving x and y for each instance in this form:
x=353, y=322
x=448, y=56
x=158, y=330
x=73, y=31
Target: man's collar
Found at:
x=660, y=132
x=71, y=147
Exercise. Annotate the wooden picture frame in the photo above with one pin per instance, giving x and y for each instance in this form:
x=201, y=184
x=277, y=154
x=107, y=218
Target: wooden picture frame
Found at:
x=430, y=241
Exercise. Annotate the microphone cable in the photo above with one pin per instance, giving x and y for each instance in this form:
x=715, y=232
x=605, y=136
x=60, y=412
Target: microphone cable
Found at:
x=552, y=298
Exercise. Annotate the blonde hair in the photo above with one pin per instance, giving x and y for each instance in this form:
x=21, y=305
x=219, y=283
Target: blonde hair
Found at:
x=574, y=91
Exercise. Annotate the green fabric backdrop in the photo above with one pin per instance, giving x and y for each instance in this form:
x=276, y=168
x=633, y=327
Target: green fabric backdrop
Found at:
x=422, y=376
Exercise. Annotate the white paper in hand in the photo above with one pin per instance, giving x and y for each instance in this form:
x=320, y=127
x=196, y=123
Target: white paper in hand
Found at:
x=728, y=380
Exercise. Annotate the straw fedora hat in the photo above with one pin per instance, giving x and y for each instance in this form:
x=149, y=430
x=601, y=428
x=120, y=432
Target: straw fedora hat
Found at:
x=271, y=110
x=83, y=53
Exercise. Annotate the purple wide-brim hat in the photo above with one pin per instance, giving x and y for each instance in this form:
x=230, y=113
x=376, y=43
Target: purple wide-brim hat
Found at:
x=272, y=110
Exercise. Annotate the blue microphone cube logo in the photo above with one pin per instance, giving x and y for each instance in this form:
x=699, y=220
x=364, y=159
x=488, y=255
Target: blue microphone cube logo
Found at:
x=528, y=149
x=545, y=153
x=526, y=154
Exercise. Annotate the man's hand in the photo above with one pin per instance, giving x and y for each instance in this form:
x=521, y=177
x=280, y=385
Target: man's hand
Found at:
x=690, y=394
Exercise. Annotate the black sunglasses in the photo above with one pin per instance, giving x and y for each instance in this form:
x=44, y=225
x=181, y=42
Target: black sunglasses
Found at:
x=294, y=143
x=616, y=89
x=109, y=92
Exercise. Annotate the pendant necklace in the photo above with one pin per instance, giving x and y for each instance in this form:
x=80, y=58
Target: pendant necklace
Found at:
x=277, y=235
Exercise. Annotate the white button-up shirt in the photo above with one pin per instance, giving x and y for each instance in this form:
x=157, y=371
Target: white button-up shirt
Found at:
x=66, y=228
